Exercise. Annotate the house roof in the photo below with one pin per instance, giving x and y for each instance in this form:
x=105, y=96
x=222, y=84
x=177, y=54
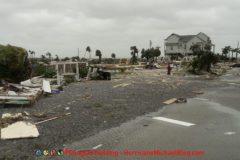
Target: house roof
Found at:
x=186, y=38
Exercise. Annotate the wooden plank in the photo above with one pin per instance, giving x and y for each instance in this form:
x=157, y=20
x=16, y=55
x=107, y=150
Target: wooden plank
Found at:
x=170, y=101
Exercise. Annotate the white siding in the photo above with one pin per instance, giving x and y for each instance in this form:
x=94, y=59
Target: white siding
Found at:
x=172, y=39
x=203, y=36
x=172, y=49
x=191, y=42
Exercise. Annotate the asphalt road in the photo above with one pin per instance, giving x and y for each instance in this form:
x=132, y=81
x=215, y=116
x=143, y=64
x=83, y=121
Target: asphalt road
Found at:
x=216, y=129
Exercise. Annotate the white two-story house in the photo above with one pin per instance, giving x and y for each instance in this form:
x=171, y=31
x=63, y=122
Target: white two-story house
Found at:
x=179, y=45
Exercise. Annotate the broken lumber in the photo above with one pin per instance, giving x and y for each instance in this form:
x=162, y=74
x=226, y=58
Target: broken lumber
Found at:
x=198, y=92
x=170, y=101
x=42, y=120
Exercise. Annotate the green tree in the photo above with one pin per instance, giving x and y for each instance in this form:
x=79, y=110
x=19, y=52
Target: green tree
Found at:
x=14, y=63
x=225, y=51
x=75, y=59
x=156, y=52
x=134, y=51
x=66, y=59
x=99, y=54
x=151, y=53
x=113, y=55
x=44, y=59
x=203, y=58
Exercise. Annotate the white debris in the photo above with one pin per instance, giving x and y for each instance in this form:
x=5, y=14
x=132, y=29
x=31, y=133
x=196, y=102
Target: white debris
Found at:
x=46, y=86
x=12, y=93
x=20, y=129
x=28, y=83
x=98, y=146
x=229, y=133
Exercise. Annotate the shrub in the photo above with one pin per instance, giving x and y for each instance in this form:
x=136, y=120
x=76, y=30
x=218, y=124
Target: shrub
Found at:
x=50, y=73
x=83, y=72
x=39, y=70
x=14, y=64
x=69, y=79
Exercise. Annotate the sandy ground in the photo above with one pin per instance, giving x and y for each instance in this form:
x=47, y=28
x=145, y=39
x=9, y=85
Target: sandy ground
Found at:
x=96, y=106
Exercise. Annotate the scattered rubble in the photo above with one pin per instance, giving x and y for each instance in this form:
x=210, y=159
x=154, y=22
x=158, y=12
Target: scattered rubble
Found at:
x=38, y=114
x=8, y=119
x=181, y=100
x=176, y=100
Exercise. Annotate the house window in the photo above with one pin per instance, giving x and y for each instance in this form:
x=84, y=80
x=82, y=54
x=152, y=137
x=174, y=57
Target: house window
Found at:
x=171, y=47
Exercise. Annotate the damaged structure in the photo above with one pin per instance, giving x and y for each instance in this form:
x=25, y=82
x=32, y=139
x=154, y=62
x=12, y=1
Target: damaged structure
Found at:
x=26, y=92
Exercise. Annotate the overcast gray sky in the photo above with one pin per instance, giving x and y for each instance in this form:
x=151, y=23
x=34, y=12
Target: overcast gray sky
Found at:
x=62, y=26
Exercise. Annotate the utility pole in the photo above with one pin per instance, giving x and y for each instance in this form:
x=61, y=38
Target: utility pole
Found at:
x=237, y=51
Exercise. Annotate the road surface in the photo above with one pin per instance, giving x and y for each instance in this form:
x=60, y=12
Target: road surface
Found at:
x=209, y=123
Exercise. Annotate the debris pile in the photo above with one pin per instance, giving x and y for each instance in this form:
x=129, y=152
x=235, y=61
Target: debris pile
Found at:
x=26, y=92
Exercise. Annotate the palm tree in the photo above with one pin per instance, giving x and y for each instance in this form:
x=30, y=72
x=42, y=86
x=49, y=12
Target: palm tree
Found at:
x=88, y=49
x=134, y=51
x=49, y=55
x=43, y=59
x=99, y=54
x=225, y=51
x=31, y=53
x=57, y=58
x=113, y=55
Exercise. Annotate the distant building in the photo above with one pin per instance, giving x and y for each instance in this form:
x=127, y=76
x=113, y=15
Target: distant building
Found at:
x=179, y=45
